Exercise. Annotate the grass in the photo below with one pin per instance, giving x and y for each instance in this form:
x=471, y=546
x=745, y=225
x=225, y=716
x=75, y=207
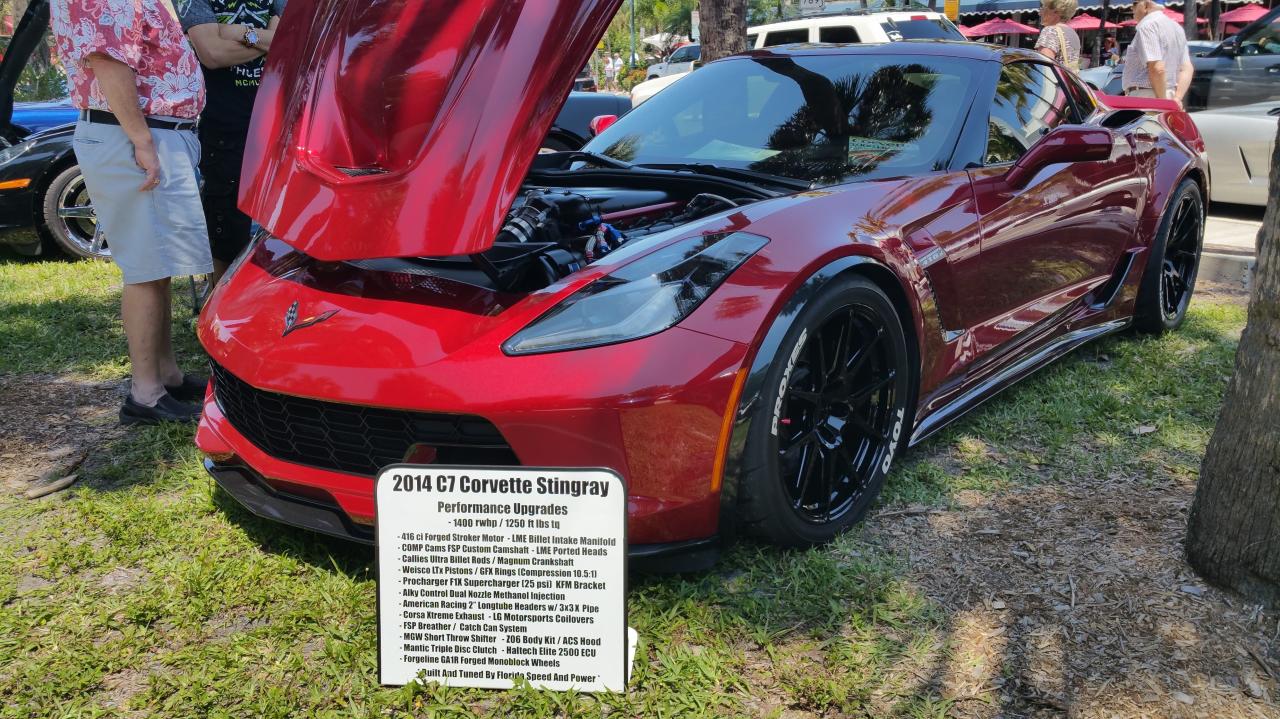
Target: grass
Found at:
x=143, y=590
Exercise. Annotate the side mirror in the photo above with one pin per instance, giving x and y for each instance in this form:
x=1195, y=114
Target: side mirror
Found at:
x=1065, y=143
x=1229, y=47
x=600, y=123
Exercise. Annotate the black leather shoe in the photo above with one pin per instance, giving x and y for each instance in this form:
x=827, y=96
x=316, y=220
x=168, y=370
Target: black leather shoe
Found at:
x=191, y=389
x=166, y=409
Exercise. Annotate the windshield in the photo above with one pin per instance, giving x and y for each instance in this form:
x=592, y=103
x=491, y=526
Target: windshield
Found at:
x=821, y=118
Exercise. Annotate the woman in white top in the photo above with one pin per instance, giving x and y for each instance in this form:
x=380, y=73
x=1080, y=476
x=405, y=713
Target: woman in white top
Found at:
x=1057, y=40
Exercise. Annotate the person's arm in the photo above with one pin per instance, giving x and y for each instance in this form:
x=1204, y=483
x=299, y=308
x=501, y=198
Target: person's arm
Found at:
x=1185, y=73
x=119, y=85
x=1045, y=46
x=235, y=33
x=216, y=49
x=1155, y=71
x=204, y=32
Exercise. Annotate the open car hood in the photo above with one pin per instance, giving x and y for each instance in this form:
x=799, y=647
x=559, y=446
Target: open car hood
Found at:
x=395, y=128
x=26, y=37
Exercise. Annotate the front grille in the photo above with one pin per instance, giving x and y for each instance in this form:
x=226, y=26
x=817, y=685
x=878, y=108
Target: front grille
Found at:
x=350, y=438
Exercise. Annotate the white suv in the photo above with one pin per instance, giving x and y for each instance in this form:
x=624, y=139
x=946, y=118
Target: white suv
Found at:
x=834, y=27
x=855, y=27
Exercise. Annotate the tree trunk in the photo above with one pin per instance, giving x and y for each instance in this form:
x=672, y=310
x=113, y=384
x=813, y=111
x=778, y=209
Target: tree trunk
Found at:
x=1233, y=534
x=723, y=27
x=1189, y=16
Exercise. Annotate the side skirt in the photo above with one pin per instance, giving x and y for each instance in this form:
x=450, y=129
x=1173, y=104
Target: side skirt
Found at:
x=992, y=385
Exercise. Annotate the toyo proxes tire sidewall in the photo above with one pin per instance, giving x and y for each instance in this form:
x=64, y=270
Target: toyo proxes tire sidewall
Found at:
x=765, y=509
x=1148, y=315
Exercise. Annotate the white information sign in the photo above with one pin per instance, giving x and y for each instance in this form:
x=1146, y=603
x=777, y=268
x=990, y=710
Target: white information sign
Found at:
x=489, y=573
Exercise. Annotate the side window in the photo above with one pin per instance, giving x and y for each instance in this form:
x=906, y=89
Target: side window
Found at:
x=681, y=55
x=838, y=34
x=1030, y=101
x=786, y=37
x=1265, y=40
x=1080, y=95
x=751, y=41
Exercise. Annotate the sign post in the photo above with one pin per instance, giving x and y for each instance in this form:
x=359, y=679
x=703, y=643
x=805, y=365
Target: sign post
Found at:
x=490, y=573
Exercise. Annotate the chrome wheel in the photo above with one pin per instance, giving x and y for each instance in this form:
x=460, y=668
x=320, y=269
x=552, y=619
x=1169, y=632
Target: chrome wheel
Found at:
x=79, y=221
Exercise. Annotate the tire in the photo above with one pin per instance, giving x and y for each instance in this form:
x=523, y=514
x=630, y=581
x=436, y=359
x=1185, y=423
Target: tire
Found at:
x=1170, y=277
x=801, y=430
x=67, y=216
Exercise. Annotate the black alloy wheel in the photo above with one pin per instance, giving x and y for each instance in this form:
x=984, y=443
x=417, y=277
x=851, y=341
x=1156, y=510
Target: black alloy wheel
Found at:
x=1181, y=257
x=837, y=421
x=1171, y=272
x=836, y=412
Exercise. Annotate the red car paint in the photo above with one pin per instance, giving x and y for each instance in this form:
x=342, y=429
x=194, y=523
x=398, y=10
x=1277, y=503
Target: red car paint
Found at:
x=1022, y=267
x=405, y=128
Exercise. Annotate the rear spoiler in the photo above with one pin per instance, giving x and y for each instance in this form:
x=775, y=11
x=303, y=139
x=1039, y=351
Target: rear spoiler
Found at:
x=1171, y=115
x=1128, y=102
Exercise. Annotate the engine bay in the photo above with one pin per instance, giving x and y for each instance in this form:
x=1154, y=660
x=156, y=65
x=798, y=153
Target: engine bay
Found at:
x=551, y=232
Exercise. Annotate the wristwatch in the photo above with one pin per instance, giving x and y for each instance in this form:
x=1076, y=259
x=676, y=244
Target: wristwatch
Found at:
x=250, y=38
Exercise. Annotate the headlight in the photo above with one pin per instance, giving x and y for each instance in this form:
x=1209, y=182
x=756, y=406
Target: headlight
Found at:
x=11, y=153
x=639, y=299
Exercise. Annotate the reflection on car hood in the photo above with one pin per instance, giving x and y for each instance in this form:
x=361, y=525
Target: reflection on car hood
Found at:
x=392, y=128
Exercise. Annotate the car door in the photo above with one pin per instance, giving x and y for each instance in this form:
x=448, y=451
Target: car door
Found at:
x=1253, y=74
x=1047, y=243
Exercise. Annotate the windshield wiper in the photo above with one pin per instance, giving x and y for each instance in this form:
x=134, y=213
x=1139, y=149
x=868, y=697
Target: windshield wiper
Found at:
x=599, y=159
x=734, y=173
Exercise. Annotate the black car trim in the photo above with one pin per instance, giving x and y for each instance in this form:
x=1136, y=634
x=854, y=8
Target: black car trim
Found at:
x=252, y=492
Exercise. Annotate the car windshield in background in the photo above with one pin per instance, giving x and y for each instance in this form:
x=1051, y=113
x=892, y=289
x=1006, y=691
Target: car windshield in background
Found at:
x=819, y=118
x=922, y=29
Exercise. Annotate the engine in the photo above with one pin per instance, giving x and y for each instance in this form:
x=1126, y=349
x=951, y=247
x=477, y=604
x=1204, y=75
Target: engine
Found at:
x=552, y=232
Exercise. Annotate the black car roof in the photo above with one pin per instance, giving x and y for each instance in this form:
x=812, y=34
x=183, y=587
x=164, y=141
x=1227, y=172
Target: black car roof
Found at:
x=920, y=48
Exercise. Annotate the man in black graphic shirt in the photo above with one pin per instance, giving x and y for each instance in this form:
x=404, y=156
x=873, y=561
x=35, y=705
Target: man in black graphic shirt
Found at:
x=231, y=38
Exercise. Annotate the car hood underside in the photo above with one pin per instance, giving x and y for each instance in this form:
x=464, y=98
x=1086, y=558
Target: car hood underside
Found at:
x=397, y=128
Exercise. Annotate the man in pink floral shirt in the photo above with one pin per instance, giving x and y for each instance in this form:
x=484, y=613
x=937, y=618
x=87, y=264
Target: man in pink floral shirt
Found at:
x=138, y=85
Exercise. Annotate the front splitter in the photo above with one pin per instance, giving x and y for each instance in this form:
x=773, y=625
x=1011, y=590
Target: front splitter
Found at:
x=248, y=488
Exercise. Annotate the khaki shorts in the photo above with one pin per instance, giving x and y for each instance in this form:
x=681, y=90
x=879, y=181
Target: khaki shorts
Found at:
x=155, y=234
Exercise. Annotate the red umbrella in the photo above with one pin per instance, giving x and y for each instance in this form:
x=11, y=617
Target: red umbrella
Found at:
x=1085, y=21
x=1244, y=14
x=1001, y=26
x=1177, y=17
x=1174, y=15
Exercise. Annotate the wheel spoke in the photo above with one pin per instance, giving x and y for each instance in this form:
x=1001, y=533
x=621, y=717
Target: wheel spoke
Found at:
x=859, y=360
x=804, y=395
x=864, y=428
x=77, y=212
x=99, y=239
x=807, y=460
x=873, y=388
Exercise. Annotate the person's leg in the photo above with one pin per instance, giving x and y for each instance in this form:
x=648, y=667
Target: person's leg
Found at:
x=221, y=155
x=167, y=360
x=143, y=307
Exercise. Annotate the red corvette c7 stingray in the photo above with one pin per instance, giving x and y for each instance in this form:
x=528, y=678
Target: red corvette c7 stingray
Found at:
x=747, y=296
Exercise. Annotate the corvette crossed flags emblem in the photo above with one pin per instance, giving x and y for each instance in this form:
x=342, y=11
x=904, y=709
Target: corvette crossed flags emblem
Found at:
x=292, y=323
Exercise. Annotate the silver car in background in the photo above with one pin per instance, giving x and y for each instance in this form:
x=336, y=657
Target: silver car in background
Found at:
x=1240, y=141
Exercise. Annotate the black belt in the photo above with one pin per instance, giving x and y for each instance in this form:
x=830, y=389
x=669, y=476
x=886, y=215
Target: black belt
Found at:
x=103, y=117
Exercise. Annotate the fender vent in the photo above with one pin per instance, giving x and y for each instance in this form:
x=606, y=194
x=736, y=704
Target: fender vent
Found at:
x=361, y=171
